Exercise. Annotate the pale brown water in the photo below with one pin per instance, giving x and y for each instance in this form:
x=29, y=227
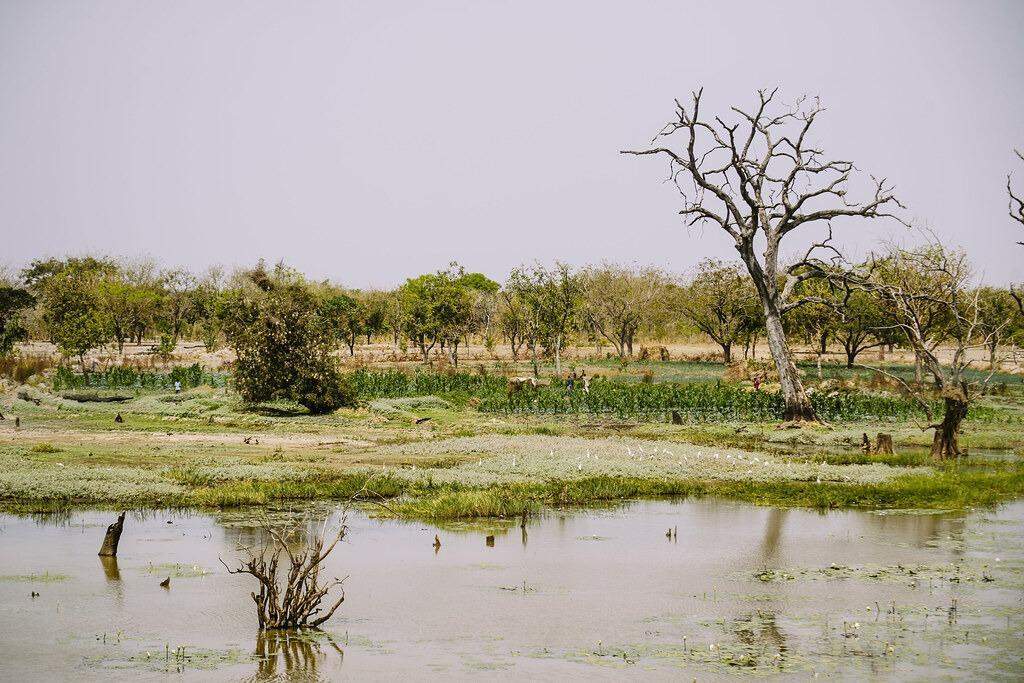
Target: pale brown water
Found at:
x=606, y=595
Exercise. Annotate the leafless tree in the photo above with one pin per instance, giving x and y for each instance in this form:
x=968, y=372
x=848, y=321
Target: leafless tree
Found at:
x=295, y=600
x=1016, y=202
x=761, y=178
x=1017, y=214
x=927, y=290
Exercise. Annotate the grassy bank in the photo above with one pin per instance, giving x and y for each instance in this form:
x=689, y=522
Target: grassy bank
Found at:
x=425, y=445
x=427, y=494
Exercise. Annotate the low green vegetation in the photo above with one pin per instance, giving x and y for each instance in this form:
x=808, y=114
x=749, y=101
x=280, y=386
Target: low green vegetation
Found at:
x=127, y=377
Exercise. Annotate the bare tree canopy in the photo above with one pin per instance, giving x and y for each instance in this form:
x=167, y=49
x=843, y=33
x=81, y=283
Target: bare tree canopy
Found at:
x=760, y=177
x=1016, y=201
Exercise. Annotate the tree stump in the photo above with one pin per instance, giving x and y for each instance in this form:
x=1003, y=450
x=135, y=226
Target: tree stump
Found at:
x=112, y=538
x=883, y=444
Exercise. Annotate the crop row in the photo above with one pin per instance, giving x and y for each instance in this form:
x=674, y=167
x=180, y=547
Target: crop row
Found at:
x=695, y=402
x=122, y=377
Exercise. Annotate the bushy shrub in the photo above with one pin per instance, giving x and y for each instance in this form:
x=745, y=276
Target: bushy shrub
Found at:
x=284, y=348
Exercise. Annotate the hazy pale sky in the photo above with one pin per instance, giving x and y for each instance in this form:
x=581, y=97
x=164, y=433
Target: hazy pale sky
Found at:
x=370, y=141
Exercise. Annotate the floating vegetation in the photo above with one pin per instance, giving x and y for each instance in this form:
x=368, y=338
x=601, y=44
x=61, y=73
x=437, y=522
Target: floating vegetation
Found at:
x=44, y=577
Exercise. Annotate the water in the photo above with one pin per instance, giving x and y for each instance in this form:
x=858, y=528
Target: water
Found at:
x=594, y=594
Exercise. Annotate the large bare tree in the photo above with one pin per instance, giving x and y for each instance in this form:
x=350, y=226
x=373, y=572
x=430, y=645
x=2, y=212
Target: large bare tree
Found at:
x=1016, y=201
x=1017, y=214
x=759, y=178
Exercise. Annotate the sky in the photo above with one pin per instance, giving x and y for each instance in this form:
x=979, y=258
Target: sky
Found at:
x=367, y=142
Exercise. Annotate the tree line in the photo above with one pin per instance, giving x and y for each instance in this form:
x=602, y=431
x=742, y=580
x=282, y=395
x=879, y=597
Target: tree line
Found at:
x=85, y=303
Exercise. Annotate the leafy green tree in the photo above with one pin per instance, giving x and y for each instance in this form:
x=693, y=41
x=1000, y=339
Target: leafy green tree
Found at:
x=375, y=305
x=74, y=314
x=13, y=301
x=179, y=302
x=551, y=304
x=618, y=301
x=284, y=345
x=437, y=310
x=998, y=318
x=721, y=302
x=346, y=317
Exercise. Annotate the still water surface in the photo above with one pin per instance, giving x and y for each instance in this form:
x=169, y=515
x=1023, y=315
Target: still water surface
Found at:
x=595, y=594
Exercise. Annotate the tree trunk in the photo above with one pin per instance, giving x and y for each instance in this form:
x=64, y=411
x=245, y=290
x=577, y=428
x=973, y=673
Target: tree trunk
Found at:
x=992, y=362
x=851, y=355
x=727, y=352
x=946, y=443
x=798, y=405
x=558, y=355
x=112, y=538
x=533, y=354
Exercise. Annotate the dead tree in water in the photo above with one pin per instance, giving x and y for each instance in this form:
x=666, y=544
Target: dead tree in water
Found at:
x=759, y=177
x=295, y=601
x=112, y=538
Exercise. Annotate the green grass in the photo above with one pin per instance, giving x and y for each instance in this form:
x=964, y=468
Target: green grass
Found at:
x=68, y=468
x=952, y=488
x=949, y=487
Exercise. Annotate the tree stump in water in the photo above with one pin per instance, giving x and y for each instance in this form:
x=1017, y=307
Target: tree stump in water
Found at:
x=113, y=537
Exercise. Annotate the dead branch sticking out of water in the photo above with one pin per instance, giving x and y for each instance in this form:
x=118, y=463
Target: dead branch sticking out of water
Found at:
x=298, y=605
x=112, y=538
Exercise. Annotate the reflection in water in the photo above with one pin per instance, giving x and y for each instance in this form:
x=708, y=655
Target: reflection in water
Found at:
x=294, y=655
x=923, y=530
x=417, y=615
x=110, y=568
x=761, y=635
x=773, y=532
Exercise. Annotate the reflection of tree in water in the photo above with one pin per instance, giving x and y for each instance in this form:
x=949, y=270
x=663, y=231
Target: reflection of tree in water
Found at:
x=921, y=531
x=251, y=533
x=761, y=636
x=293, y=656
x=773, y=533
